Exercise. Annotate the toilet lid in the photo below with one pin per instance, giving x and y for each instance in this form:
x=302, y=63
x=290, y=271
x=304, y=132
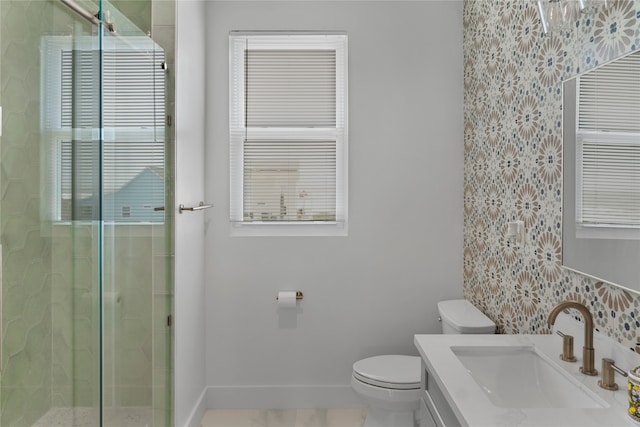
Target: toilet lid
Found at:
x=390, y=371
x=465, y=317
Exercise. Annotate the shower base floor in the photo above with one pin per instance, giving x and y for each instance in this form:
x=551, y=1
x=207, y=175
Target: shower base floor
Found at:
x=89, y=417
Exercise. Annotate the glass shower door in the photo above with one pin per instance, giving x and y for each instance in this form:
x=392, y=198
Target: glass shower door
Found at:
x=137, y=295
x=85, y=242
x=49, y=224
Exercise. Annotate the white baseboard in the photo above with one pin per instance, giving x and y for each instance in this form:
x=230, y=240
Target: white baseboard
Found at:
x=198, y=411
x=282, y=397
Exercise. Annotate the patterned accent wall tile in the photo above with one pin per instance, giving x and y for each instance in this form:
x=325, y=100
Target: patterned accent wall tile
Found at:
x=513, y=75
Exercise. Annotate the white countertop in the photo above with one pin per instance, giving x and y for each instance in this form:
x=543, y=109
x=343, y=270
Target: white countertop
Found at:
x=473, y=408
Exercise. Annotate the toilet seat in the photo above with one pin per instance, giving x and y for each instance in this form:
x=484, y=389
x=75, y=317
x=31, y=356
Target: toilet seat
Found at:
x=394, y=372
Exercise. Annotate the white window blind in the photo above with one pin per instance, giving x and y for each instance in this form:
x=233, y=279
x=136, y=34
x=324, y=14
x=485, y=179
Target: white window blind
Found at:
x=290, y=88
x=608, y=134
x=290, y=180
x=131, y=163
x=610, y=182
x=134, y=137
x=288, y=131
x=78, y=170
x=609, y=99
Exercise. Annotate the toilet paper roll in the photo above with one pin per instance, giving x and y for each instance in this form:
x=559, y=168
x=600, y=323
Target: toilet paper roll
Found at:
x=286, y=299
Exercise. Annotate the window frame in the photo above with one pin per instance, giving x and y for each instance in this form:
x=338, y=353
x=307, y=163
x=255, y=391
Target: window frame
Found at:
x=238, y=131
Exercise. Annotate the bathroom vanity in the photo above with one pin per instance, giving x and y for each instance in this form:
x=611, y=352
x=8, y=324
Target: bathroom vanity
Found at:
x=519, y=380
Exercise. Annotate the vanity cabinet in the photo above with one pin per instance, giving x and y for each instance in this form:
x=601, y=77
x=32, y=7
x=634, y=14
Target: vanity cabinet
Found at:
x=509, y=380
x=433, y=400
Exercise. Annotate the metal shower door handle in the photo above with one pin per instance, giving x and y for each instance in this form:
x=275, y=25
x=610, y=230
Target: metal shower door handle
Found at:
x=200, y=207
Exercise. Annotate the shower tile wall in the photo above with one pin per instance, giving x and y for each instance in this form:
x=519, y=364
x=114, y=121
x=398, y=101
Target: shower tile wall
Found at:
x=75, y=316
x=128, y=342
x=130, y=273
x=26, y=253
x=513, y=165
x=138, y=11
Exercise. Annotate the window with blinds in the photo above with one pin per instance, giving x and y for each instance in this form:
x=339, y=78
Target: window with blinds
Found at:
x=288, y=128
x=608, y=148
x=124, y=181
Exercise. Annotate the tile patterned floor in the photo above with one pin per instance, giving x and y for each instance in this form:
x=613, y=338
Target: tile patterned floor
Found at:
x=284, y=418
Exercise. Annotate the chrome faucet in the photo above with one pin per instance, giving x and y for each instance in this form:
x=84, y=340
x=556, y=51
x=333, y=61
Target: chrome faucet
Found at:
x=587, y=351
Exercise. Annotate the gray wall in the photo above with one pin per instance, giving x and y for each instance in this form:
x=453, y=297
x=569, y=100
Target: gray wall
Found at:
x=189, y=242
x=368, y=293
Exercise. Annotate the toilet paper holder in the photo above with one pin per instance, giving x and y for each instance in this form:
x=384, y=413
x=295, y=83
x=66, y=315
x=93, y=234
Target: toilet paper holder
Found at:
x=299, y=295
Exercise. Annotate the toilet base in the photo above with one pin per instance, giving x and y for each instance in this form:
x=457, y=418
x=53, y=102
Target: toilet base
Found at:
x=377, y=417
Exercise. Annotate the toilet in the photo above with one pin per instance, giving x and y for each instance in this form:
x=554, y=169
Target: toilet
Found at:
x=390, y=384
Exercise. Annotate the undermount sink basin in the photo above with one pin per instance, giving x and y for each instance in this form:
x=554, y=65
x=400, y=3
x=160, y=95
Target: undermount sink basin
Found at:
x=522, y=377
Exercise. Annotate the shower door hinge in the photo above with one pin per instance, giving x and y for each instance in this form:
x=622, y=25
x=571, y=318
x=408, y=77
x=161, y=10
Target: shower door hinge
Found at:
x=169, y=320
x=168, y=120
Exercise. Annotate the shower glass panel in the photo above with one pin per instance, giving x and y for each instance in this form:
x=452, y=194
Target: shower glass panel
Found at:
x=136, y=229
x=85, y=242
x=49, y=243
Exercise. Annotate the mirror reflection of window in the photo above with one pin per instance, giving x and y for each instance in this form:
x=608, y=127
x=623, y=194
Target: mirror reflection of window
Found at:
x=601, y=173
x=608, y=145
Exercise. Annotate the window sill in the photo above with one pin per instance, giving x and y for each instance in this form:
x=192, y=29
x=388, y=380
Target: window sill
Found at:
x=611, y=232
x=288, y=229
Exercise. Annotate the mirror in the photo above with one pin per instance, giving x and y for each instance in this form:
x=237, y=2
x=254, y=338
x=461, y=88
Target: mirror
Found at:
x=601, y=173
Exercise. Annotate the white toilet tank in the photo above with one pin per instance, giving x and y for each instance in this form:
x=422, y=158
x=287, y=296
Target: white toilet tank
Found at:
x=461, y=317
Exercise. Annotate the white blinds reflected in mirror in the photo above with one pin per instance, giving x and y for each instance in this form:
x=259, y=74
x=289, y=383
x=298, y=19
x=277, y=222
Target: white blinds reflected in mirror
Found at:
x=610, y=185
x=601, y=173
x=608, y=145
x=609, y=97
